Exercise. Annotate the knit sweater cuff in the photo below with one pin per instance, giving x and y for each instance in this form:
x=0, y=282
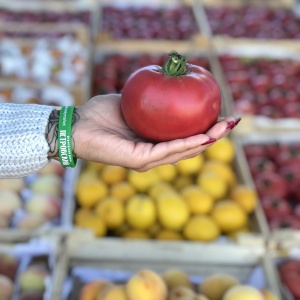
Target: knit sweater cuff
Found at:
x=24, y=149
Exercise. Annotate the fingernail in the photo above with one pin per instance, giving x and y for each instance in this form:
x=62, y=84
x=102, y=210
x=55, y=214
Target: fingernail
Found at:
x=237, y=121
x=210, y=141
x=230, y=125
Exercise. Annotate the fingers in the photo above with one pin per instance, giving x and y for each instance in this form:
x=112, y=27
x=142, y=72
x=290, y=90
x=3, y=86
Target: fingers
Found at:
x=176, y=150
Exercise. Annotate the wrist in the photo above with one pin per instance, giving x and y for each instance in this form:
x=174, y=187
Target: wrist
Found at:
x=52, y=133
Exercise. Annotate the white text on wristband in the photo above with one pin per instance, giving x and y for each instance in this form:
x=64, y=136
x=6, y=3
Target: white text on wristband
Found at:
x=65, y=150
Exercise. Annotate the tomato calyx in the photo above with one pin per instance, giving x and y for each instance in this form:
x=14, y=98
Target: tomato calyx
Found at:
x=175, y=65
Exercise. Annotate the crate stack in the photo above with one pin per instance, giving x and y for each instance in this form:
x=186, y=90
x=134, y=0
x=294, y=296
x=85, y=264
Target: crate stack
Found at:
x=244, y=225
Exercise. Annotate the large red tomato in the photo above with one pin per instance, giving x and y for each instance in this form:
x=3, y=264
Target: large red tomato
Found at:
x=170, y=102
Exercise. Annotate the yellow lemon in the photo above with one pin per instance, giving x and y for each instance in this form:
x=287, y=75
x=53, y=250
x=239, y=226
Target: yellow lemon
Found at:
x=229, y=215
x=123, y=190
x=90, y=190
x=135, y=234
x=245, y=196
x=81, y=214
x=90, y=165
x=222, y=150
x=140, y=211
x=113, y=174
x=166, y=172
x=111, y=210
x=142, y=181
x=198, y=201
x=181, y=181
x=212, y=184
x=154, y=229
x=119, y=231
x=94, y=223
x=190, y=166
x=168, y=235
x=201, y=228
x=172, y=211
x=160, y=187
x=223, y=170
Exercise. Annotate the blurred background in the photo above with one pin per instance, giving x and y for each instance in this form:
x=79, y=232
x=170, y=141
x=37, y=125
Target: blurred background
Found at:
x=221, y=226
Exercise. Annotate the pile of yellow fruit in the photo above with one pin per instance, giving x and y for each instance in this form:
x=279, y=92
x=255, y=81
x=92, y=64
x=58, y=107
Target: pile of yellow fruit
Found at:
x=198, y=200
x=173, y=284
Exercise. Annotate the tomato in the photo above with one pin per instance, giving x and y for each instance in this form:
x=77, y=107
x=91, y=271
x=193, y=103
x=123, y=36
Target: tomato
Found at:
x=174, y=101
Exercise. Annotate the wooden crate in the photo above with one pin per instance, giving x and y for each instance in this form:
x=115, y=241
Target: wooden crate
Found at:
x=80, y=91
x=255, y=240
x=279, y=241
x=254, y=50
x=115, y=257
x=201, y=5
x=46, y=248
x=56, y=228
x=101, y=35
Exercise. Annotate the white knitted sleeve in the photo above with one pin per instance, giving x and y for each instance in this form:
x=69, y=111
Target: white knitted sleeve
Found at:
x=23, y=146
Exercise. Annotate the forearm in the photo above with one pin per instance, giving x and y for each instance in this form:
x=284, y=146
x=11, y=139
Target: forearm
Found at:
x=24, y=148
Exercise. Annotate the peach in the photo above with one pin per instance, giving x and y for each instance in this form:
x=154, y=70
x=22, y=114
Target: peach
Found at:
x=146, y=285
x=244, y=292
x=16, y=185
x=45, y=205
x=31, y=296
x=4, y=222
x=33, y=279
x=91, y=290
x=181, y=293
x=54, y=167
x=31, y=221
x=9, y=202
x=8, y=265
x=113, y=292
x=175, y=277
x=215, y=286
x=50, y=184
x=6, y=288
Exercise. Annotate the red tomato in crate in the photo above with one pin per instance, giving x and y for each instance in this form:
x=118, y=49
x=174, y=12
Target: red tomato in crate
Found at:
x=170, y=102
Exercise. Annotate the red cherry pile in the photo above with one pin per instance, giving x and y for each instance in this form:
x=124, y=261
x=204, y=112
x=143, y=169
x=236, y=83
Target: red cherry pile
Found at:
x=267, y=87
x=275, y=168
x=111, y=74
x=8, y=15
x=254, y=22
x=145, y=22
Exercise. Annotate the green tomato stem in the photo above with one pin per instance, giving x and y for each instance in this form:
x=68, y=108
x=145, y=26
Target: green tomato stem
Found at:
x=175, y=65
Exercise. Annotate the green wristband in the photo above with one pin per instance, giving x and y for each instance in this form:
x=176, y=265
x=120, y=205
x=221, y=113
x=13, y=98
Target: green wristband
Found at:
x=65, y=150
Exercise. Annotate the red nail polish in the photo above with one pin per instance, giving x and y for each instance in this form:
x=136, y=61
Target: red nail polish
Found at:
x=230, y=125
x=210, y=141
x=237, y=121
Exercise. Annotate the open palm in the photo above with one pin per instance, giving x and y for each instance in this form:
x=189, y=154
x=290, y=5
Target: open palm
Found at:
x=101, y=135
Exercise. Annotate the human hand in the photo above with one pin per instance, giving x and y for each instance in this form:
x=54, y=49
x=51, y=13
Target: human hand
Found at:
x=101, y=135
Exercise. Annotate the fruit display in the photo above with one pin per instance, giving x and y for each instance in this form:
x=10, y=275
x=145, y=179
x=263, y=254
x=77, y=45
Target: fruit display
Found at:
x=49, y=95
x=32, y=202
x=172, y=283
x=274, y=168
x=200, y=199
x=111, y=73
x=258, y=22
x=63, y=61
x=263, y=86
x=8, y=14
x=149, y=22
x=25, y=272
